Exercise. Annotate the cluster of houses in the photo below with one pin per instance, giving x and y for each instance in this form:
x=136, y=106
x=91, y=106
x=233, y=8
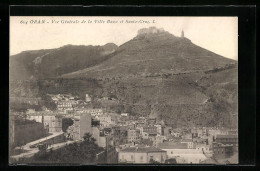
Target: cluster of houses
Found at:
x=133, y=139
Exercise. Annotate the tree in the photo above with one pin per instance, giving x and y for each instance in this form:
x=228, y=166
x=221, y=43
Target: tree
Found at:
x=66, y=122
x=78, y=152
x=171, y=161
x=88, y=138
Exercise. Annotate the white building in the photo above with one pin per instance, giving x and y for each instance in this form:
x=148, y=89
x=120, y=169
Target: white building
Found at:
x=87, y=98
x=159, y=128
x=189, y=143
x=182, y=153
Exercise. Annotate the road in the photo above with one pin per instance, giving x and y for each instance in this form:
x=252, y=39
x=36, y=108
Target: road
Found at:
x=31, y=151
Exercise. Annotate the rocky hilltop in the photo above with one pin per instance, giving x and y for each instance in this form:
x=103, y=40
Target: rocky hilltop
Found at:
x=161, y=75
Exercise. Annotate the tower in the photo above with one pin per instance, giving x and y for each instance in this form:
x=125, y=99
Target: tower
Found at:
x=182, y=33
x=42, y=119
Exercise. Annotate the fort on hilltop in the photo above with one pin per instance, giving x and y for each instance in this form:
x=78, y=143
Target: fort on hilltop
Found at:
x=150, y=30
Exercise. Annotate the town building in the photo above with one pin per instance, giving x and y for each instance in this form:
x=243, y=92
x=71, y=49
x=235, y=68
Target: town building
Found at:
x=221, y=150
x=151, y=121
x=140, y=155
x=87, y=98
x=149, y=129
x=81, y=125
x=99, y=137
x=65, y=106
x=204, y=148
x=34, y=116
x=93, y=112
x=132, y=135
x=124, y=114
x=73, y=131
x=105, y=120
x=119, y=135
x=52, y=122
x=159, y=129
x=111, y=153
x=85, y=124
x=24, y=131
x=158, y=139
x=182, y=153
x=189, y=143
x=227, y=139
x=166, y=131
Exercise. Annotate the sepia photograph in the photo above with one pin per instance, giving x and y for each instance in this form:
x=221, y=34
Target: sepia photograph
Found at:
x=88, y=90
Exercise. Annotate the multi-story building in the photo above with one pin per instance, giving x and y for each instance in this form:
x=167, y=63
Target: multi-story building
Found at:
x=141, y=155
x=24, y=131
x=35, y=116
x=189, y=143
x=221, y=150
x=158, y=139
x=182, y=153
x=149, y=129
x=159, y=129
x=66, y=106
x=81, y=126
x=85, y=124
x=73, y=131
x=133, y=135
x=100, y=138
x=119, y=135
x=53, y=122
x=105, y=120
x=203, y=148
x=227, y=139
x=111, y=153
x=93, y=112
x=166, y=131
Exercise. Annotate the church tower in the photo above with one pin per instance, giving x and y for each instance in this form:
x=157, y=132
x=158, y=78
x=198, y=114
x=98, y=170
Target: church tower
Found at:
x=182, y=33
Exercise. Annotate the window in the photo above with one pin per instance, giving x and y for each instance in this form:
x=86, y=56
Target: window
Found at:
x=141, y=157
x=132, y=157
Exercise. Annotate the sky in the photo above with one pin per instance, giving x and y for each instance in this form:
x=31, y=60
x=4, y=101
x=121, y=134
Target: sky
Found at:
x=217, y=34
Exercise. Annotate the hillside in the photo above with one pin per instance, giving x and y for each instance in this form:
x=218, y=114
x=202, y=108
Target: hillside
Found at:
x=154, y=54
x=43, y=64
x=161, y=75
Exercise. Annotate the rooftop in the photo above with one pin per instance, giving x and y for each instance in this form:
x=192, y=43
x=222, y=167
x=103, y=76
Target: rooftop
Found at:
x=172, y=145
x=142, y=149
x=186, y=140
x=226, y=136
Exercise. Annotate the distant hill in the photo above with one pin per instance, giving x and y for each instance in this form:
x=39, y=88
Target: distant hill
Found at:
x=42, y=64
